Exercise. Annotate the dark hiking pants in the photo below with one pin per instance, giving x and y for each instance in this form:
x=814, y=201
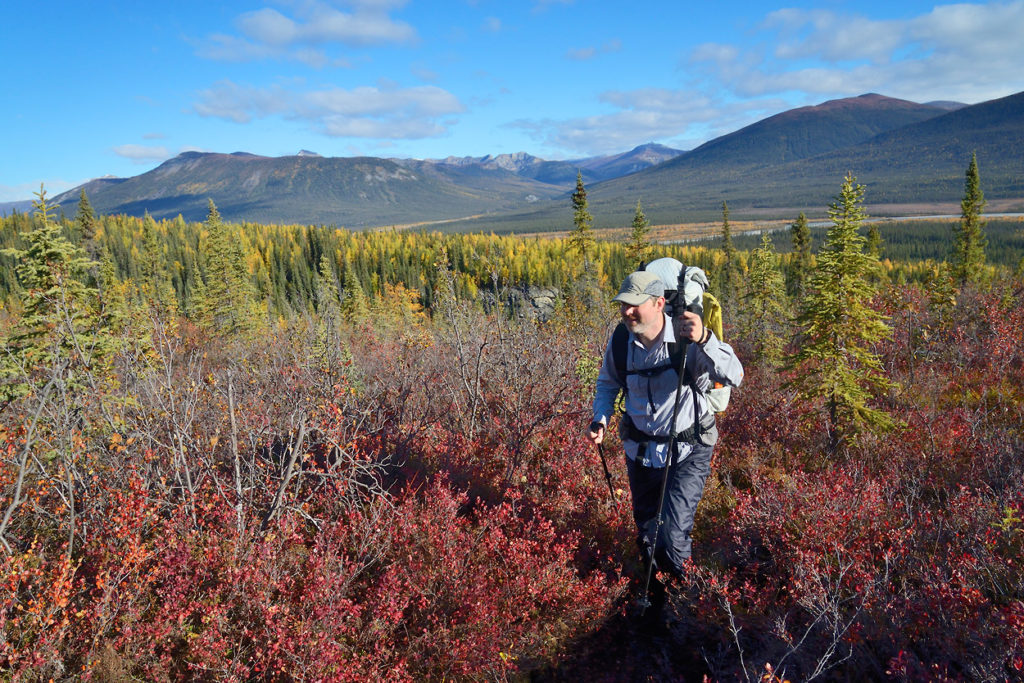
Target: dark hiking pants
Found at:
x=683, y=492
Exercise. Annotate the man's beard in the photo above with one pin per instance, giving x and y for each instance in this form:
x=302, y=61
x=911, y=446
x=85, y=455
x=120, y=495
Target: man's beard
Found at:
x=637, y=327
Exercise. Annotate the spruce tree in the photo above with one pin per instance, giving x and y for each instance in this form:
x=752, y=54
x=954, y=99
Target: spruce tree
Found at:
x=874, y=242
x=327, y=296
x=227, y=303
x=113, y=304
x=638, y=249
x=729, y=274
x=353, y=298
x=155, y=283
x=800, y=269
x=328, y=340
x=766, y=310
x=60, y=329
x=834, y=362
x=85, y=219
x=581, y=239
x=969, y=241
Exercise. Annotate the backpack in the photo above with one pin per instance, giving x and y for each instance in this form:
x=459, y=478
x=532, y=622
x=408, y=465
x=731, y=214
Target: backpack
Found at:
x=685, y=290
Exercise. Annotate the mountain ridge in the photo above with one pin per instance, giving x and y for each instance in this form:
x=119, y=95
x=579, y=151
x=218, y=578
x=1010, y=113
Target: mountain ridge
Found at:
x=345, y=191
x=920, y=161
x=783, y=161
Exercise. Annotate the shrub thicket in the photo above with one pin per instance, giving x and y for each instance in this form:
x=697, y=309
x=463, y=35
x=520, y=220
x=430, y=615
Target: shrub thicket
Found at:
x=403, y=496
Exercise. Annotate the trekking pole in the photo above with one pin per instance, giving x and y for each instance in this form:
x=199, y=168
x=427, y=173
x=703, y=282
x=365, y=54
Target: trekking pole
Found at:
x=644, y=601
x=607, y=474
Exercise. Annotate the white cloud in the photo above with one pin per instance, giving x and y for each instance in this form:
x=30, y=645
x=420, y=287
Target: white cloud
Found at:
x=268, y=26
x=542, y=5
x=492, y=24
x=426, y=100
x=268, y=33
x=581, y=54
x=679, y=118
x=372, y=28
x=142, y=154
x=385, y=111
x=991, y=33
x=715, y=52
x=310, y=57
x=240, y=104
x=225, y=48
x=396, y=128
x=379, y=5
x=424, y=73
x=832, y=37
x=967, y=52
x=585, y=53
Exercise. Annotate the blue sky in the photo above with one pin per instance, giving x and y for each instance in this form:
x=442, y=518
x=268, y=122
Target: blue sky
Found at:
x=115, y=88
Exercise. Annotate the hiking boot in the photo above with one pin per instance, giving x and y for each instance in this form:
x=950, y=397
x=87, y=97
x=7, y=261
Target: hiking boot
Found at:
x=651, y=617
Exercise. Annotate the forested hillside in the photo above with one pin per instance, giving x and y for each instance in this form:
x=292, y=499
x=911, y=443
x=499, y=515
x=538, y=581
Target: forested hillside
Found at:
x=275, y=452
x=282, y=261
x=909, y=241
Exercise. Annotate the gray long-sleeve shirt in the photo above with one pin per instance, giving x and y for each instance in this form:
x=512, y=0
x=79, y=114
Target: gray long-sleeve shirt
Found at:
x=650, y=400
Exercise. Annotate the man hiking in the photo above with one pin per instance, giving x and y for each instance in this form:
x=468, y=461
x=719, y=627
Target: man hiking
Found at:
x=650, y=378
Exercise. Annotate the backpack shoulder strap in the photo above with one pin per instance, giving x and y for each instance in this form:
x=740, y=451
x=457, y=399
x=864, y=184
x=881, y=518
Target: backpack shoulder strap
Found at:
x=620, y=342
x=675, y=355
x=620, y=349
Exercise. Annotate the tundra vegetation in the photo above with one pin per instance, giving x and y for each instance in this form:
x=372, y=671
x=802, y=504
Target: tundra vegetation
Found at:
x=259, y=452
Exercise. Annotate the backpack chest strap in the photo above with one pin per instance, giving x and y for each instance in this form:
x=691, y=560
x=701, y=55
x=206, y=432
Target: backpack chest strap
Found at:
x=620, y=355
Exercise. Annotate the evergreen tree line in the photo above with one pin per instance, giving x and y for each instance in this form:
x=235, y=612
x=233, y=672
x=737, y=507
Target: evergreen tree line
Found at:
x=282, y=265
x=910, y=241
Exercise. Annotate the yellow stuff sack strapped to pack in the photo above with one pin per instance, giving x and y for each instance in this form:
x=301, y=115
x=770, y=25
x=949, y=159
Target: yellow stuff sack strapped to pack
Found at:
x=718, y=395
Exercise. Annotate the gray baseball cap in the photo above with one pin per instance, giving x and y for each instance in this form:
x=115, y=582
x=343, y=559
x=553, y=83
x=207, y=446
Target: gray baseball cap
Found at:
x=638, y=287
